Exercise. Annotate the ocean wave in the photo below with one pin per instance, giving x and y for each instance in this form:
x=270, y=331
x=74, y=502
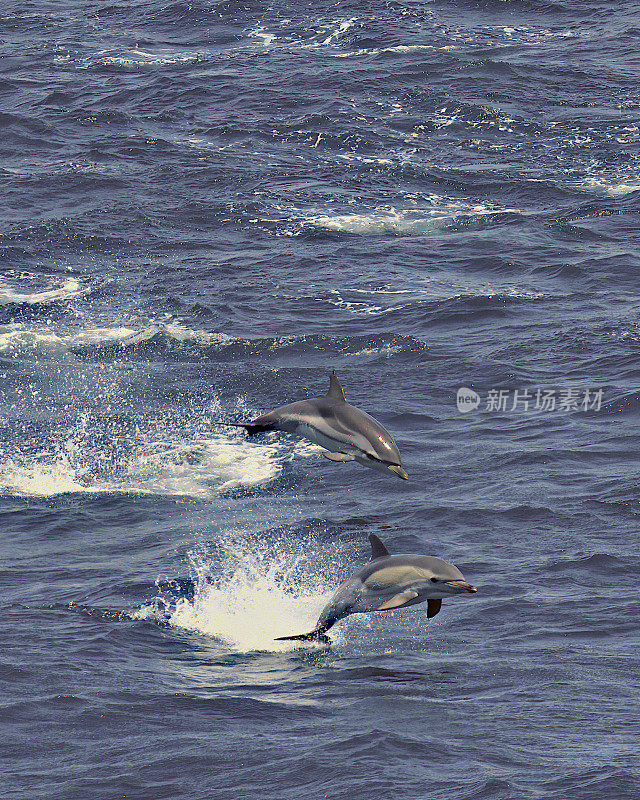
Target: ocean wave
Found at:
x=314, y=34
x=596, y=564
x=608, y=188
x=402, y=49
x=178, y=342
x=434, y=288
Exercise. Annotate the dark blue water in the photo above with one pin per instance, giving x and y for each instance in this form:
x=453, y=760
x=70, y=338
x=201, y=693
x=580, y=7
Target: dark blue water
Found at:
x=206, y=206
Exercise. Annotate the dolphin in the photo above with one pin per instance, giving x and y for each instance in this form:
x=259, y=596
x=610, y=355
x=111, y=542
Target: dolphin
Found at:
x=388, y=582
x=346, y=432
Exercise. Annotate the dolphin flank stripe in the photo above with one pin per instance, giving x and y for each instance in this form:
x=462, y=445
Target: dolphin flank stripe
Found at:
x=392, y=576
x=349, y=441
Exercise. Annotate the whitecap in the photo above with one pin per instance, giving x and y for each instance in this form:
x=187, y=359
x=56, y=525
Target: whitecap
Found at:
x=342, y=27
x=69, y=290
x=20, y=338
x=261, y=33
x=137, y=59
x=440, y=287
x=610, y=189
x=407, y=222
x=353, y=306
x=403, y=49
x=46, y=479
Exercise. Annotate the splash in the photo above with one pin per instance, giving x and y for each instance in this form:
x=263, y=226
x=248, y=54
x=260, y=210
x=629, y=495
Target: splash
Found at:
x=246, y=598
x=169, y=456
x=40, y=479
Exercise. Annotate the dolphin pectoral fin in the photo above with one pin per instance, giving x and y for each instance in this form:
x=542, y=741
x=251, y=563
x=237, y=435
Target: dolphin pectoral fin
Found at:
x=338, y=456
x=398, y=600
x=378, y=550
x=433, y=606
x=335, y=389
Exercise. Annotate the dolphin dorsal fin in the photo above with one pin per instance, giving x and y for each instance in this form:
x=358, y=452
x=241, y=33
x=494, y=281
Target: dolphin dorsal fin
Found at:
x=378, y=550
x=335, y=390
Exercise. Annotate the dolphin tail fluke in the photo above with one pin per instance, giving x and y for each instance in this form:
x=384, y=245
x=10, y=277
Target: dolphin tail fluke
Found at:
x=317, y=635
x=250, y=427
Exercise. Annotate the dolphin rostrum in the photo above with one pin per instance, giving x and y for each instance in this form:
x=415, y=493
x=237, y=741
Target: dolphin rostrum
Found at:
x=388, y=582
x=346, y=432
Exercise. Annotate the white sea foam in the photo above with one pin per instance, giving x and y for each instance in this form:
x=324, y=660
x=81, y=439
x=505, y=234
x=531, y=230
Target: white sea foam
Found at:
x=261, y=33
x=17, y=337
x=451, y=287
x=523, y=35
x=384, y=162
x=386, y=351
x=342, y=27
x=325, y=35
x=246, y=599
x=399, y=48
x=353, y=306
x=69, y=290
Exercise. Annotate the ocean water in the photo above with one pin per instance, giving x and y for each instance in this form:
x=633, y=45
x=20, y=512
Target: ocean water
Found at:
x=206, y=207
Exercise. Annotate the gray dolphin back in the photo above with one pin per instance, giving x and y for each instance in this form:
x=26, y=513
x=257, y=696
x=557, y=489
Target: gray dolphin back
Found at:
x=288, y=417
x=432, y=564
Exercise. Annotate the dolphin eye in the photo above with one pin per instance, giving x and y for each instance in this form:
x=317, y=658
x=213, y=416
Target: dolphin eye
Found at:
x=433, y=580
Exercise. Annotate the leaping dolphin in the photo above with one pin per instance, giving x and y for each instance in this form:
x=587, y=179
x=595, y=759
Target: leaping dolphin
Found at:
x=388, y=582
x=346, y=432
